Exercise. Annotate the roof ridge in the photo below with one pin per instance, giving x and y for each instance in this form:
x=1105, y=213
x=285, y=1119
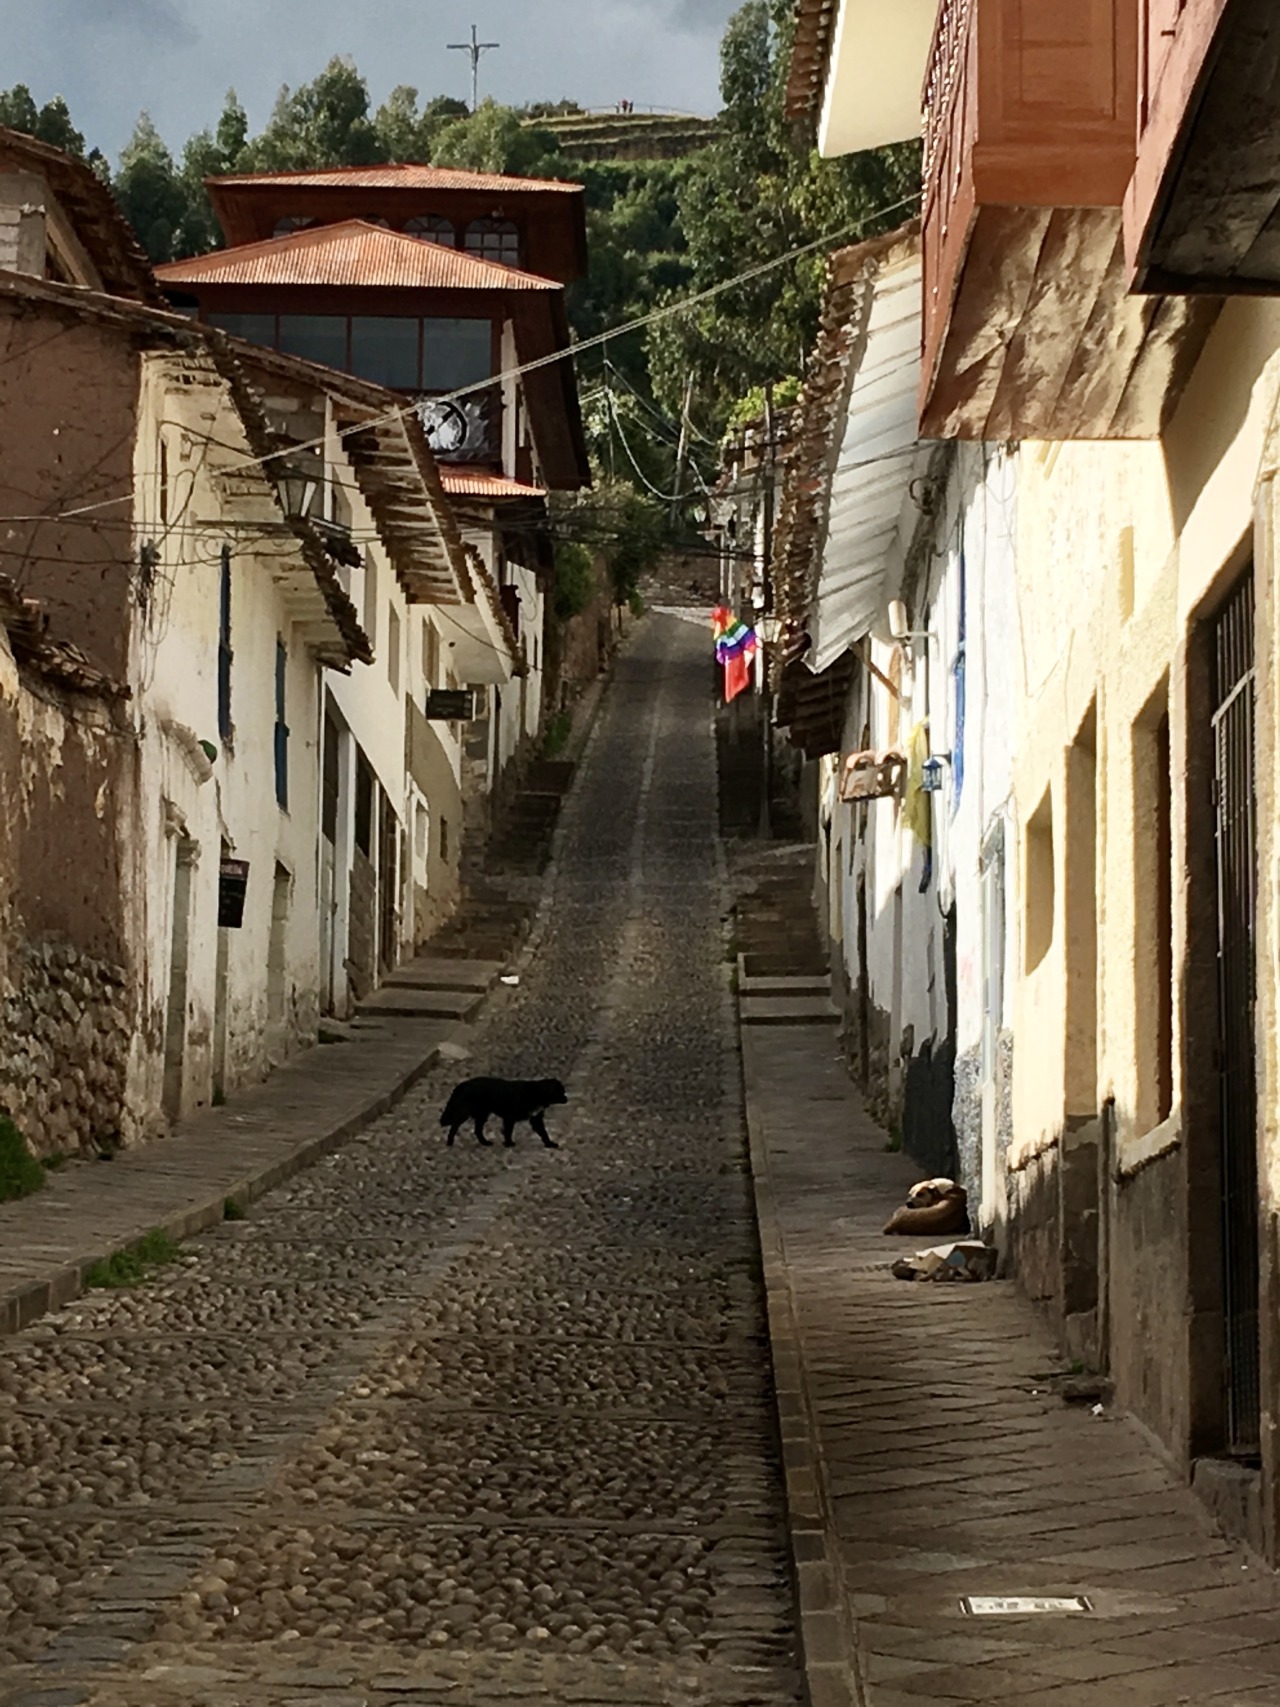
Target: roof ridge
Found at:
x=481, y=179
x=315, y=236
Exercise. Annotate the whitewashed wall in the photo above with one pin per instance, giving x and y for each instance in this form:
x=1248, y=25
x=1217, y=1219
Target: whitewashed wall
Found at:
x=235, y=1031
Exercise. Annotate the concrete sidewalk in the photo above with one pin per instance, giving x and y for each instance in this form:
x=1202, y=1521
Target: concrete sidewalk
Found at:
x=928, y=1458
x=88, y=1210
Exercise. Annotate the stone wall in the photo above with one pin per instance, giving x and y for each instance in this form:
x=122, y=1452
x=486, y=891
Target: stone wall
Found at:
x=65, y=1029
x=67, y=1000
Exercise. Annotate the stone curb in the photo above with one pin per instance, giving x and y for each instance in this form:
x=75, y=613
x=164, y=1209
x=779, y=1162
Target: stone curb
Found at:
x=828, y=1645
x=827, y=1639
x=26, y=1303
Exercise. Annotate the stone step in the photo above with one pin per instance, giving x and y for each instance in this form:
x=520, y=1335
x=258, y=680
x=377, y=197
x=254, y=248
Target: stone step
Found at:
x=787, y=1010
x=421, y=1004
x=782, y=983
x=444, y=972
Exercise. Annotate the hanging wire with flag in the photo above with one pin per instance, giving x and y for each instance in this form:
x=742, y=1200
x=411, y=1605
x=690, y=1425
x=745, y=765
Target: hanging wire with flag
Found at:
x=735, y=650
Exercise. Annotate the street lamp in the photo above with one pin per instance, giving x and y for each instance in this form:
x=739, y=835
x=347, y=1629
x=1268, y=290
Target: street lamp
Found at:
x=298, y=491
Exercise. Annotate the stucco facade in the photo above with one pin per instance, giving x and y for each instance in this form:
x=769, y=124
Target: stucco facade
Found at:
x=228, y=686
x=1126, y=555
x=920, y=931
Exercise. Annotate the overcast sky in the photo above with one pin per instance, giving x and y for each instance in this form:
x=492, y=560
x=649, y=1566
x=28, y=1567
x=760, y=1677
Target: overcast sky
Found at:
x=177, y=58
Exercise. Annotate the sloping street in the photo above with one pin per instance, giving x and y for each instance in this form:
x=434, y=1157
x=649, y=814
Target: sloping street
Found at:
x=451, y=1425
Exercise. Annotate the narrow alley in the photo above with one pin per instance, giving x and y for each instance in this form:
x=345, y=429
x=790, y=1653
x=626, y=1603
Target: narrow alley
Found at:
x=463, y=1424
x=643, y=1420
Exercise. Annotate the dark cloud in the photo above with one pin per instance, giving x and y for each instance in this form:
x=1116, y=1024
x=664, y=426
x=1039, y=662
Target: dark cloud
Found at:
x=177, y=58
x=160, y=21
x=703, y=17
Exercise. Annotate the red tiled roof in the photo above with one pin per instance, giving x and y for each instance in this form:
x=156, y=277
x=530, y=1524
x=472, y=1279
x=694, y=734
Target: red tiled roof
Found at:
x=814, y=29
x=395, y=177
x=462, y=482
x=353, y=252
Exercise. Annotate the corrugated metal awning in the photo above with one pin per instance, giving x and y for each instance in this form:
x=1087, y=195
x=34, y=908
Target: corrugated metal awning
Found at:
x=878, y=456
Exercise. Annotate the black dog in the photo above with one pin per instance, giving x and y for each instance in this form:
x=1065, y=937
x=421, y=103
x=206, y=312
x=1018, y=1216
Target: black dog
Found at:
x=511, y=1099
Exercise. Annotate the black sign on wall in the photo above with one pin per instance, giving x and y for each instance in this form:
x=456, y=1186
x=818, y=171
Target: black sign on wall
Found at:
x=233, y=880
x=449, y=705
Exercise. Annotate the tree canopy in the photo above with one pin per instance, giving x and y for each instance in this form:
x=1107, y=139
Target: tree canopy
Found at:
x=658, y=231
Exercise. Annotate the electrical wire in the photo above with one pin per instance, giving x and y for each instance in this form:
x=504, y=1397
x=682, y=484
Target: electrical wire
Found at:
x=571, y=353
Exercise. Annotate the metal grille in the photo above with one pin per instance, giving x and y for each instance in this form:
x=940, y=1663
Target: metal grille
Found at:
x=1237, y=889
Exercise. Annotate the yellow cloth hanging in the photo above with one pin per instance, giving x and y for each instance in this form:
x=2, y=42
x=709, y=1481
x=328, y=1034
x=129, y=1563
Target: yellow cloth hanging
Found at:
x=917, y=809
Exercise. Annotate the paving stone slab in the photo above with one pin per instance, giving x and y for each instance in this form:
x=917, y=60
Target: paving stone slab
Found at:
x=996, y=1488
x=181, y=1185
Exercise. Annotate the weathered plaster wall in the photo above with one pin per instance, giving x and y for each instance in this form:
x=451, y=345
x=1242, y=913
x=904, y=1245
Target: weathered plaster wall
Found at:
x=1135, y=541
x=66, y=991
x=252, y=993
x=68, y=405
x=921, y=1026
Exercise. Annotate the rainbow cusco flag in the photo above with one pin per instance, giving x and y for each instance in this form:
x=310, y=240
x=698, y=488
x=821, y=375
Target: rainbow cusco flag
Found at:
x=735, y=650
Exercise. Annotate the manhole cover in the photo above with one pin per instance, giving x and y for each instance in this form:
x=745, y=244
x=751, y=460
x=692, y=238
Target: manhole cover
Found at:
x=1022, y=1605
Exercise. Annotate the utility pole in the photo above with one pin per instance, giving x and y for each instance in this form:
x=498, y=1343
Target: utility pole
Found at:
x=682, y=447
x=476, y=49
x=766, y=620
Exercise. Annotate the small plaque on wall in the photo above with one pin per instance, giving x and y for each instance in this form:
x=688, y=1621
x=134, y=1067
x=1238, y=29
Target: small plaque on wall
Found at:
x=233, y=880
x=449, y=705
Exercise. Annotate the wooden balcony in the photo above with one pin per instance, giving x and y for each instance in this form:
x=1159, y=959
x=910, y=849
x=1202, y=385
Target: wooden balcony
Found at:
x=1203, y=211
x=1030, y=121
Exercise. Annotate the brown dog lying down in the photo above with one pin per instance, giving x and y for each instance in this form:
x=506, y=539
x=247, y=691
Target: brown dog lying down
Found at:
x=932, y=1206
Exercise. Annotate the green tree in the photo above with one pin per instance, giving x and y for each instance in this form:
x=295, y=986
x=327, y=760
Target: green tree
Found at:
x=407, y=133
x=50, y=123
x=757, y=194
x=209, y=154
x=323, y=123
x=492, y=139
x=150, y=191
x=614, y=518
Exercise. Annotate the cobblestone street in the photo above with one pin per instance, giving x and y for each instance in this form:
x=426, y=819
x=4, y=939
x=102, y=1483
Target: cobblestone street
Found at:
x=461, y=1425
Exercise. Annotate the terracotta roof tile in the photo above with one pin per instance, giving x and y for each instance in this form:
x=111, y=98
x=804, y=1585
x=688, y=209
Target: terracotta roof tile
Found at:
x=408, y=176
x=460, y=481
x=99, y=224
x=351, y=253
x=810, y=57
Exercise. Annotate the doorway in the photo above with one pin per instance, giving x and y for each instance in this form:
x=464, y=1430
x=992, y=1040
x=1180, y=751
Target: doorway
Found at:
x=993, y=1211
x=330, y=777
x=278, y=961
x=185, y=853
x=221, y=974
x=388, y=886
x=1235, y=843
x=1080, y=1173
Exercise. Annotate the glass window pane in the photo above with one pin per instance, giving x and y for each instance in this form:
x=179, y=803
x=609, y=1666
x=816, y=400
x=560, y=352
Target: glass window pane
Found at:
x=257, y=328
x=455, y=353
x=434, y=228
x=318, y=337
x=494, y=240
x=385, y=350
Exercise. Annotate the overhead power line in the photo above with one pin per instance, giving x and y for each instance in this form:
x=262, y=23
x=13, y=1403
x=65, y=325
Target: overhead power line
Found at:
x=665, y=311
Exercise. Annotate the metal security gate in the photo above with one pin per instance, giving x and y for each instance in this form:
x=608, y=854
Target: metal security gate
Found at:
x=1236, y=838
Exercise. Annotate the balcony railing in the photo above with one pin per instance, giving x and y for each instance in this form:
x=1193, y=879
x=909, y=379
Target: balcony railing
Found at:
x=1031, y=113
x=943, y=83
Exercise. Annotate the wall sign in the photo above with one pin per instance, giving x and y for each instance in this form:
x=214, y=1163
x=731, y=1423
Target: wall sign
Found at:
x=449, y=705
